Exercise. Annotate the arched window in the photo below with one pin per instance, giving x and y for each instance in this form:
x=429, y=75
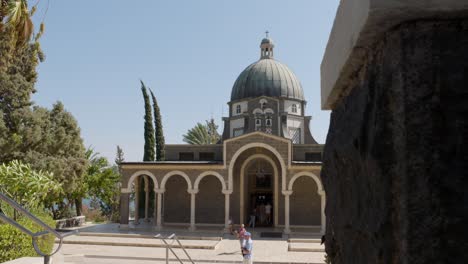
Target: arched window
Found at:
x=238, y=109
x=268, y=121
x=294, y=108
x=258, y=124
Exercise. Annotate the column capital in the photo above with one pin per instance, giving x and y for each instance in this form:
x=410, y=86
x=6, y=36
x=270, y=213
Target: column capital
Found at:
x=193, y=191
x=159, y=191
x=126, y=190
x=287, y=192
x=226, y=191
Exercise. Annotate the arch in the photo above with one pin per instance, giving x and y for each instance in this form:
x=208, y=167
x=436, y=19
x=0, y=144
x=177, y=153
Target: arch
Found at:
x=275, y=190
x=269, y=111
x=260, y=145
x=317, y=180
x=257, y=111
x=135, y=175
x=172, y=173
x=209, y=173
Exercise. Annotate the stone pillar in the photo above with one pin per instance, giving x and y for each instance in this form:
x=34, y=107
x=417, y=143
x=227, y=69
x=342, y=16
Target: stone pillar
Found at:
x=323, y=222
x=146, y=198
x=155, y=213
x=227, y=195
x=124, y=209
x=287, y=229
x=193, y=194
x=137, y=201
x=395, y=76
x=158, y=208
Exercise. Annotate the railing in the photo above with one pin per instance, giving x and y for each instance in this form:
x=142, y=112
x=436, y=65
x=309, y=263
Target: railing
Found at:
x=173, y=237
x=34, y=236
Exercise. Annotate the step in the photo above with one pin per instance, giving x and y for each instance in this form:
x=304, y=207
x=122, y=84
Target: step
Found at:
x=97, y=259
x=304, y=240
x=139, y=242
x=306, y=247
x=214, y=238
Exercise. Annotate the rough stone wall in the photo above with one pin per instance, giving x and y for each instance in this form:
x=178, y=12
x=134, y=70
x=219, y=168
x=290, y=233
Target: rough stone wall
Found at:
x=396, y=156
x=176, y=201
x=305, y=203
x=209, y=202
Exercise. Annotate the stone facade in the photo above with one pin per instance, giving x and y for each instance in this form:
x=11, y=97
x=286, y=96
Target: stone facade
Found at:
x=208, y=193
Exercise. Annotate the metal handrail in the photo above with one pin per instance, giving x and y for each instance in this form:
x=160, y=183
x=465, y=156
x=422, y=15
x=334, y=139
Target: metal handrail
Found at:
x=173, y=237
x=34, y=236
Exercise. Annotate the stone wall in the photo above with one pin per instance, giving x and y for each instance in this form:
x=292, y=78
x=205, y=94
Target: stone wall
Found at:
x=210, y=202
x=176, y=201
x=396, y=155
x=305, y=203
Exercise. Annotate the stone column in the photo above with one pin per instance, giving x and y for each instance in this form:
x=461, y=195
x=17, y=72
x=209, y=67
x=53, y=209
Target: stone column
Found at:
x=193, y=194
x=159, y=193
x=227, y=195
x=155, y=213
x=287, y=229
x=322, y=212
x=124, y=209
x=137, y=202
x=146, y=198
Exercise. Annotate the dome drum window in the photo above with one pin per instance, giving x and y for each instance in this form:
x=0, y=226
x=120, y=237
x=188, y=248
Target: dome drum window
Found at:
x=294, y=108
x=238, y=109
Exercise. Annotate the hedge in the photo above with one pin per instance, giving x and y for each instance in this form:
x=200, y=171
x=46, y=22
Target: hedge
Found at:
x=15, y=244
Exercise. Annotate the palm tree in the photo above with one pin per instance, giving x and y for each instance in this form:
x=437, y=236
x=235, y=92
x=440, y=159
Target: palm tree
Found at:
x=202, y=134
x=15, y=16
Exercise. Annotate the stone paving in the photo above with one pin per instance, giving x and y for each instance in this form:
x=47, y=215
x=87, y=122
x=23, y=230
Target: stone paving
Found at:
x=265, y=251
x=134, y=246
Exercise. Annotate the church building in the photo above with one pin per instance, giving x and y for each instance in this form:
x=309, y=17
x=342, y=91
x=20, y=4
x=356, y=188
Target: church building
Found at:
x=267, y=163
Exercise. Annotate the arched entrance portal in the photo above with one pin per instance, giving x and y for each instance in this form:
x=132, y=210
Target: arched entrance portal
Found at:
x=259, y=182
x=259, y=179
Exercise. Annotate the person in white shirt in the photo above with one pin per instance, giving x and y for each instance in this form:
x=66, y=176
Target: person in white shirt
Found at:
x=247, y=249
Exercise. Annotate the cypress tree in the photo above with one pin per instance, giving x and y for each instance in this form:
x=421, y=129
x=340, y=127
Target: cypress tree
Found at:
x=160, y=152
x=149, y=129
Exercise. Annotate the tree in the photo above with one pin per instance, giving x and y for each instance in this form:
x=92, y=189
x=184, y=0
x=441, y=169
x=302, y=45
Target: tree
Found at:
x=149, y=148
x=51, y=141
x=202, y=134
x=48, y=140
x=102, y=183
x=119, y=156
x=160, y=145
x=15, y=16
x=28, y=187
x=213, y=131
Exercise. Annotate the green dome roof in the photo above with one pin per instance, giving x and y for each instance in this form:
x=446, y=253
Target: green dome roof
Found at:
x=267, y=41
x=267, y=77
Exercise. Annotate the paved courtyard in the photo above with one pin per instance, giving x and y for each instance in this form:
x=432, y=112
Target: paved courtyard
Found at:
x=106, y=243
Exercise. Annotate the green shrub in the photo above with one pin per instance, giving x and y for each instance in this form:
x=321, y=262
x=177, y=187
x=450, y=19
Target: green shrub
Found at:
x=15, y=244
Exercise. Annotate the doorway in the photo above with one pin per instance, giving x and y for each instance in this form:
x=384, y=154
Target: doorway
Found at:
x=260, y=194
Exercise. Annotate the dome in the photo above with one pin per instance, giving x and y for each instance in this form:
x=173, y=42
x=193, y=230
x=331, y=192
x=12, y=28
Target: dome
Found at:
x=267, y=77
x=267, y=41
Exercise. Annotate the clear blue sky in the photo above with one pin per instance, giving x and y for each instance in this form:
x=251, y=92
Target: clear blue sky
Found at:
x=189, y=52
